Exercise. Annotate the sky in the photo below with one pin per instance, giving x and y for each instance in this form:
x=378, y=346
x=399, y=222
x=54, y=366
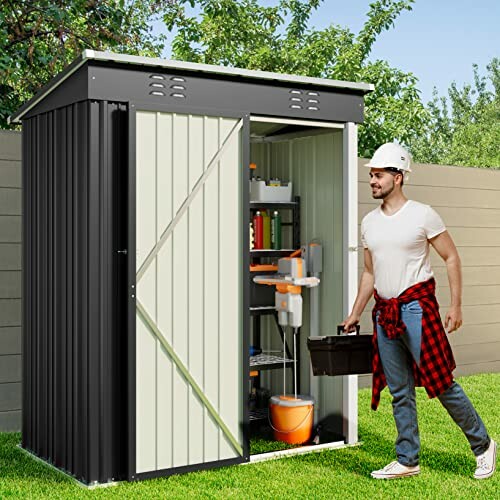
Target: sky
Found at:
x=438, y=41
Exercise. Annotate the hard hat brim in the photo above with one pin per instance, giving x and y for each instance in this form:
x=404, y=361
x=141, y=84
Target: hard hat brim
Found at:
x=371, y=165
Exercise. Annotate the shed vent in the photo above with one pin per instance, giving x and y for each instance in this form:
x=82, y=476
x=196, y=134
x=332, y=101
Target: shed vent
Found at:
x=171, y=86
x=304, y=99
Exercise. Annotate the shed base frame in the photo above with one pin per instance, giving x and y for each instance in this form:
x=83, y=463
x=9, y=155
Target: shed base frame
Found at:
x=86, y=486
x=314, y=448
x=261, y=457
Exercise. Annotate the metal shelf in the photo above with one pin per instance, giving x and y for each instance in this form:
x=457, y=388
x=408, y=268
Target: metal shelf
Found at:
x=259, y=311
x=273, y=204
x=259, y=414
x=268, y=362
x=271, y=253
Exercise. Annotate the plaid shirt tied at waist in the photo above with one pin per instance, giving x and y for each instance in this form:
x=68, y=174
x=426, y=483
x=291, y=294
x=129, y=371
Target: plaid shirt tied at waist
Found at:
x=436, y=358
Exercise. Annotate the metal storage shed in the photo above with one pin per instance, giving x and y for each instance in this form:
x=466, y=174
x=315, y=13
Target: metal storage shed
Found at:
x=136, y=266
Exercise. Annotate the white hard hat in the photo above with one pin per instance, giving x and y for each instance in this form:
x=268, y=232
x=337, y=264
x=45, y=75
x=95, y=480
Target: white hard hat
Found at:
x=391, y=155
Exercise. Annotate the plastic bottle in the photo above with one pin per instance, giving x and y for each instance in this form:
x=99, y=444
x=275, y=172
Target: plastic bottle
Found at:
x=251, y=238
x=266, y=229
x=258, y=231
x=253, y=166
x=276, y=231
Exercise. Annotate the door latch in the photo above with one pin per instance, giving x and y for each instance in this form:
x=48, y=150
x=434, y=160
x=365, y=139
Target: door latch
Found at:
x=124, y=252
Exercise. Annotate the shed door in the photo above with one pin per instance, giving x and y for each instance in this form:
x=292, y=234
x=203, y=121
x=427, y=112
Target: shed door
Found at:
x=189, y=283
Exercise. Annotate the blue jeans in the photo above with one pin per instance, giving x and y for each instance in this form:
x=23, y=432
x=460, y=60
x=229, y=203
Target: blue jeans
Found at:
x=396, y=356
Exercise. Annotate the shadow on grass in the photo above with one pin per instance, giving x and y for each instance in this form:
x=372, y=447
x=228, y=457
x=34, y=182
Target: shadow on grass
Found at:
x=17, y=464
x=381, y=451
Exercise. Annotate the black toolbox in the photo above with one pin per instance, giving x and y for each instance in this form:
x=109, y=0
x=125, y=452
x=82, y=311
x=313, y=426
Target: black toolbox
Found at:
x=341, y=354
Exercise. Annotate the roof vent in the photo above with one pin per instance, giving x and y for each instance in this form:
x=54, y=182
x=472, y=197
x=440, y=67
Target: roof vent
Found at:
x=303, y=99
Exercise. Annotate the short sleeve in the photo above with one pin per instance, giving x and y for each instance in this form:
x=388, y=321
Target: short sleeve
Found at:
x=363, y=231
x=433, y=224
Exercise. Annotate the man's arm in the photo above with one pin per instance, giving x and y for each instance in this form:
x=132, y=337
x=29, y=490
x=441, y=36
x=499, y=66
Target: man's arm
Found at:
x=448, y=252
x=365, y=291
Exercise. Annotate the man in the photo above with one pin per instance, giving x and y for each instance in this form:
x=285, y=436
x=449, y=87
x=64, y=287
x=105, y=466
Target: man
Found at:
x=410, y=344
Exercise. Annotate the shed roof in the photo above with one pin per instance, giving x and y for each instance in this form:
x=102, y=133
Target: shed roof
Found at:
x=154, y=62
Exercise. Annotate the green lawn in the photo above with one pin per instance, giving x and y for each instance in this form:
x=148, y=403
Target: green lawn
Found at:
x=446, y=461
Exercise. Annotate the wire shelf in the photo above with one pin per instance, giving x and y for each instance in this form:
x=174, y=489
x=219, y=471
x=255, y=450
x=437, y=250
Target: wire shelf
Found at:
x=267, y=361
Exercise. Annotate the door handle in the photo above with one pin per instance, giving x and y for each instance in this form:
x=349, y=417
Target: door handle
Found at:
x=124, y=252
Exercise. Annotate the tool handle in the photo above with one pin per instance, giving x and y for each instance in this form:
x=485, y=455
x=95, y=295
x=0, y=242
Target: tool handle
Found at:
x=340, y=330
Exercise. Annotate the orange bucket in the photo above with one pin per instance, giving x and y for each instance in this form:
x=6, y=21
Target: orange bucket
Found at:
x=292, y=418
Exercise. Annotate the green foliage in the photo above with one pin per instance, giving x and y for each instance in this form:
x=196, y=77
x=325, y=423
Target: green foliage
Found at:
x=464, y=129
x=278, y=38
x=38, y=38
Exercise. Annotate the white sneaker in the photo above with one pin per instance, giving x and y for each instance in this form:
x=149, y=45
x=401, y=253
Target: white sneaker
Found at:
x=395, y=470
x=486, y=463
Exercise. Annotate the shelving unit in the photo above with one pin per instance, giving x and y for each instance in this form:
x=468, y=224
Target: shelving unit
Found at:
x=267, y=361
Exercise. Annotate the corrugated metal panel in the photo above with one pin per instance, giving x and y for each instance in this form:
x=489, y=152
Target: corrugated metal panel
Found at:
x=74, y=355
x=191, y=289
x=314, y=165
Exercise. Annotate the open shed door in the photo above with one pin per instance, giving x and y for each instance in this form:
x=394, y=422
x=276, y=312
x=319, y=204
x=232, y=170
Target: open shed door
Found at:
x=188, y=338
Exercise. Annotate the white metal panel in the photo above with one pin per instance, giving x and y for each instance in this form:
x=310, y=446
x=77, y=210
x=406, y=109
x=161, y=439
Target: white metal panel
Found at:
x=188, y=290
x=145, y=342
x=164, y=158
x=180, y=332
x=146, y=184
x=350, y=171
x=165, y=367
x=164, y=410
x=230, y=290
x=211, y=289
x=195, y=300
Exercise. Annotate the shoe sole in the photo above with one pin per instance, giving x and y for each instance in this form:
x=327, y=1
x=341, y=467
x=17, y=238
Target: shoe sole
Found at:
x=486, y=476
x=396, y=476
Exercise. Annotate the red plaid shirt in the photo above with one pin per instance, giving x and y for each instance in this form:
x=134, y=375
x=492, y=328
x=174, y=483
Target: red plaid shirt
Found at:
x=436, y=359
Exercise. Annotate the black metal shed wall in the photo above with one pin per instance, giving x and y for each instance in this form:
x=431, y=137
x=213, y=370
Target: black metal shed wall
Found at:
x=74, y=342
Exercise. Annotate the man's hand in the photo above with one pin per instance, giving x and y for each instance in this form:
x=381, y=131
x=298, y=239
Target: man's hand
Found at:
x=350, y=323
x=453, y=320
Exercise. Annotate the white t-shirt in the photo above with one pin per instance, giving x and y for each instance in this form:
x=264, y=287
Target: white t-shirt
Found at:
x=399, y=246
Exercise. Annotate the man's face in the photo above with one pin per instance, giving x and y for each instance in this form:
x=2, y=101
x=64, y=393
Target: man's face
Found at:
x=381, y=183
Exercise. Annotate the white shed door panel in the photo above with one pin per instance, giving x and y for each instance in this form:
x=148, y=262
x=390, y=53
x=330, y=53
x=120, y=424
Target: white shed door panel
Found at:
x=189, y=285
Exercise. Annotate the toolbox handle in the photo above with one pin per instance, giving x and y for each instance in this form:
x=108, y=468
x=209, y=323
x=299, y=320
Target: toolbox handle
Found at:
x=340, y=330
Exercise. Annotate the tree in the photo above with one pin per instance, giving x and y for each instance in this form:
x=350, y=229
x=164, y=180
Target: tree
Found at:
x=245, y=34
x=464, y=129
x=38, y=38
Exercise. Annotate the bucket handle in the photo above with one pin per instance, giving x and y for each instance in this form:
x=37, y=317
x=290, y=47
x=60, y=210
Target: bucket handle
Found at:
x=292, y=430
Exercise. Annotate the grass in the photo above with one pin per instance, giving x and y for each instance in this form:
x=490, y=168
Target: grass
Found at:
x=446, y=461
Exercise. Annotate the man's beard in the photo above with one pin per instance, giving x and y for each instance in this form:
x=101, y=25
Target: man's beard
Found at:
x=382, y=194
